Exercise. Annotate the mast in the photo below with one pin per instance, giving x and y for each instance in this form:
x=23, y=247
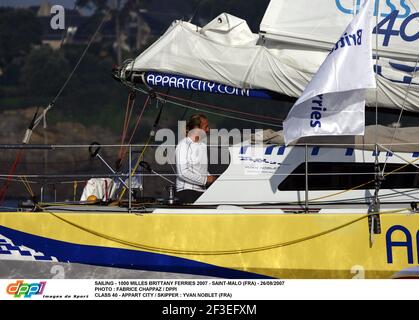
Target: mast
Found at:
x=377, y=182
x=374, y=220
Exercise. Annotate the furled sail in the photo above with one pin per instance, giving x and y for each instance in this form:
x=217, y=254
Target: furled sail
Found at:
x=226, y=51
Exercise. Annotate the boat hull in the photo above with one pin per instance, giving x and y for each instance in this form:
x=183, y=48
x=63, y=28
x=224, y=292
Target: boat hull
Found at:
x=303, y=246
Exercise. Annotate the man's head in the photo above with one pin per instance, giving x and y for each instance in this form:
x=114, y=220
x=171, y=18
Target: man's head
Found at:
x=198, y=121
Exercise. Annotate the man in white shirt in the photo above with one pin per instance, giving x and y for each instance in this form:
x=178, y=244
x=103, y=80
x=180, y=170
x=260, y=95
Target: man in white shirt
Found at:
x=192, y=161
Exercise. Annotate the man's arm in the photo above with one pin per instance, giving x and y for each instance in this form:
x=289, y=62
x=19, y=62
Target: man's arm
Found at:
x=185, y=167
x=187, y=173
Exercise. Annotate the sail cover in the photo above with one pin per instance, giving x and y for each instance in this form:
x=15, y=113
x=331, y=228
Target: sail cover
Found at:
x=226, y=51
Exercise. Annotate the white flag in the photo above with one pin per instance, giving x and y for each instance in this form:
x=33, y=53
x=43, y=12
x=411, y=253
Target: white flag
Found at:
x=333, y=103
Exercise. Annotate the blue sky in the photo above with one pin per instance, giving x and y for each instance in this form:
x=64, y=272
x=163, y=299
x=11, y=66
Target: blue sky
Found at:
x=20, y=3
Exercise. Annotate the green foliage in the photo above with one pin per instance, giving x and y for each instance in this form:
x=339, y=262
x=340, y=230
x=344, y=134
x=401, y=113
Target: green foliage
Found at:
x=100, y=4
x=11, y=73
x=92, y=97
x=16, y=100
x=105, y=4
x=19, y=31
x=96, y=89
x=44, y=71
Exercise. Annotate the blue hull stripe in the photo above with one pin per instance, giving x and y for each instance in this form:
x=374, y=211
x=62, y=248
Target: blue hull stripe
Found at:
x=121, y=258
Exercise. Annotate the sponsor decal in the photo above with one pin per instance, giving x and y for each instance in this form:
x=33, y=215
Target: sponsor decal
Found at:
x=154, y=79
x=346, y=7
x=405, y=245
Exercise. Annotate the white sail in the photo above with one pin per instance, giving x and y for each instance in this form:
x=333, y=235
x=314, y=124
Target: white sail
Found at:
x=316, y=24
x=225, y=51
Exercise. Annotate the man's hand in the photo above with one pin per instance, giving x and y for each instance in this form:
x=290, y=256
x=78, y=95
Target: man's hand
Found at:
x=210, y=180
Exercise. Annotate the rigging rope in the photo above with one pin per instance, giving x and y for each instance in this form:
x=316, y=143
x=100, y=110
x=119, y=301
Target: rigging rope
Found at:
x=105, y=17
x=137, y=164
x=128, y=112
x=75, y=190
x=221, y=108
x=123, y=149
x=401, y=113
x=215, y=252
x=223, y=115
x=18, y=158
x=405, y=97
x=137, y=124
x=68, y=26
x=12, y=170
x=363, y=184
x=52, y=103
x=27, y=186
x=35, y=122
x=150, y=136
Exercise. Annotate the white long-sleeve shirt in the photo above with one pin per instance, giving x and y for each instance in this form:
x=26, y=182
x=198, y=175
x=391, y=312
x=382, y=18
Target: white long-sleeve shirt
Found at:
x=191, y=165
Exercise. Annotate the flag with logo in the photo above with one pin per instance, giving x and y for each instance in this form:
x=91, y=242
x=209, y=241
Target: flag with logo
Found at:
x=333, y=103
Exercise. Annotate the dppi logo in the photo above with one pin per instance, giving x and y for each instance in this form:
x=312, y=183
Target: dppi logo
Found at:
x=391, y=5
x=27, y=290
x=58, y=20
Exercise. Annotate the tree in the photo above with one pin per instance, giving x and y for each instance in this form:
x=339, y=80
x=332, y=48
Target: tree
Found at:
x=44, y=72
x=19, y=31
x=111, y=6
x=121, y=15
x=98, y=4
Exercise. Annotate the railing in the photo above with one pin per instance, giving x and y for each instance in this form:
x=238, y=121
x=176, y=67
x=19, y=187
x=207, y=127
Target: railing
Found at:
x=126, y=179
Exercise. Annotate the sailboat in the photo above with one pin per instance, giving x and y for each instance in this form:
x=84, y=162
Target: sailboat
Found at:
x=328, y=207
